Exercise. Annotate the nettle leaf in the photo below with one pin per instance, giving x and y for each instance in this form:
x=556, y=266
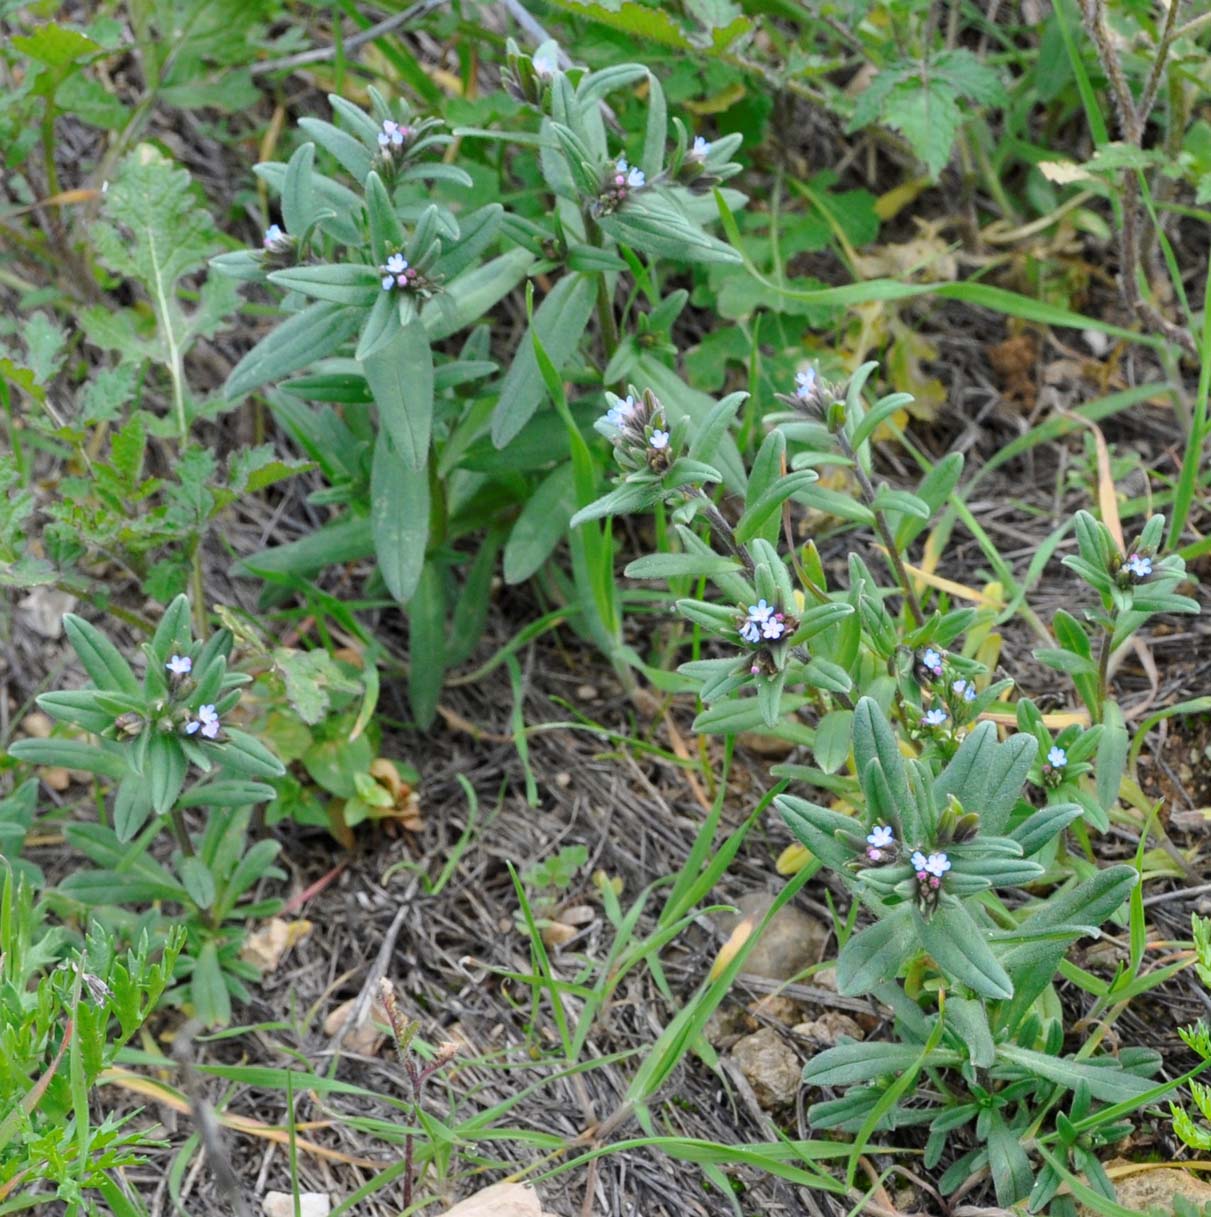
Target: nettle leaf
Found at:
x=153, y=231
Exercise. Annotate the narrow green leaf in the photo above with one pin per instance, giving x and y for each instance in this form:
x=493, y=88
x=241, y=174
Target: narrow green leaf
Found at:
x=399, y=518
x=400, y=375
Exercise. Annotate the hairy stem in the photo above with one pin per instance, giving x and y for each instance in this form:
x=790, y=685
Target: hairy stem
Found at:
x=1103, y=674
x=723, y=531
x=892, y=551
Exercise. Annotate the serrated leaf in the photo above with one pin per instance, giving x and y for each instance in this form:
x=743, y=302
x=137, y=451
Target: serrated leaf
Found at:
x=152, y=230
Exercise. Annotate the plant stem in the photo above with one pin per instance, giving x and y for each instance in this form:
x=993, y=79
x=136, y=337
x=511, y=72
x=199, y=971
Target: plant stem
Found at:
x=605, y=305
x=1103, y=675
x=892, y=552
x=723, y=531
x=181, y=832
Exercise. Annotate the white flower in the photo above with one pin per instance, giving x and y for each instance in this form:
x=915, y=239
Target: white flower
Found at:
x=933, y=661
x=388, y=282
x=880, y=836
x=1057, y=758
x=919, y=861
x=805, y=382
x=392, y=134
x=698, y=150
x=636, y=178
x=1139, y=566
x=659, y=440
x=273, y=234
x=180, y=665
x=622, y=410
x=545, y=60
x=397, y=264
x=937, y=864
x=934, y=718
x=774, y=628
x=207, y=722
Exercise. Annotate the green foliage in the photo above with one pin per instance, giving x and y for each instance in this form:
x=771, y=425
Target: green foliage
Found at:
x=67, y=1006
x=942, y=827
x=164, y=744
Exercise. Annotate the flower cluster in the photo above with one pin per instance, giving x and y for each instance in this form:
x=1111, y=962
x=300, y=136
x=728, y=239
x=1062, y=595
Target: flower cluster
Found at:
x=640, y=432
x=393, y=135
x=880, y=842
x=952, y=695
x=930, y=870
x=207, y=723
x=618, y=185
x=763, y=623
x=397, y=273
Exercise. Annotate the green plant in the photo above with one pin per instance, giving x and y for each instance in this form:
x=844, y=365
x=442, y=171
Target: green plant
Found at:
x=940, y=830
x=61, y=1027
x=381, y=279
x=165, y=745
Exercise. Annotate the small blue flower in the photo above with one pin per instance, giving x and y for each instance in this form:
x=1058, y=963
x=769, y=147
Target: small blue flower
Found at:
x=1139, y=565
x=1057, y=758
x=774, y=628
x=805, y=383
x=659, y=440
x=392, y=135
x=919, y=862
x=880, y=836
x=932, y=661
x=180, y=665
x=207, y=722
x=750, y=631
x=699, y=149
x=965, y=689
x=934, y=718
x=937, y=864
x=760, y=612
x=545, y=60
x=622, y=411
x=273, y=234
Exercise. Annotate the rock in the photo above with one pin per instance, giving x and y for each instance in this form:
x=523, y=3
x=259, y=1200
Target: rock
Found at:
x=500, y=1200
x=825, y=1031
x=778, y=1009
x=311, y=1204
x=770, y=1065
x=726, y=1025
x=557, y=933
x=1154, y=1189
x=44, y=608
x=365, y=1040
x=792, y=941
